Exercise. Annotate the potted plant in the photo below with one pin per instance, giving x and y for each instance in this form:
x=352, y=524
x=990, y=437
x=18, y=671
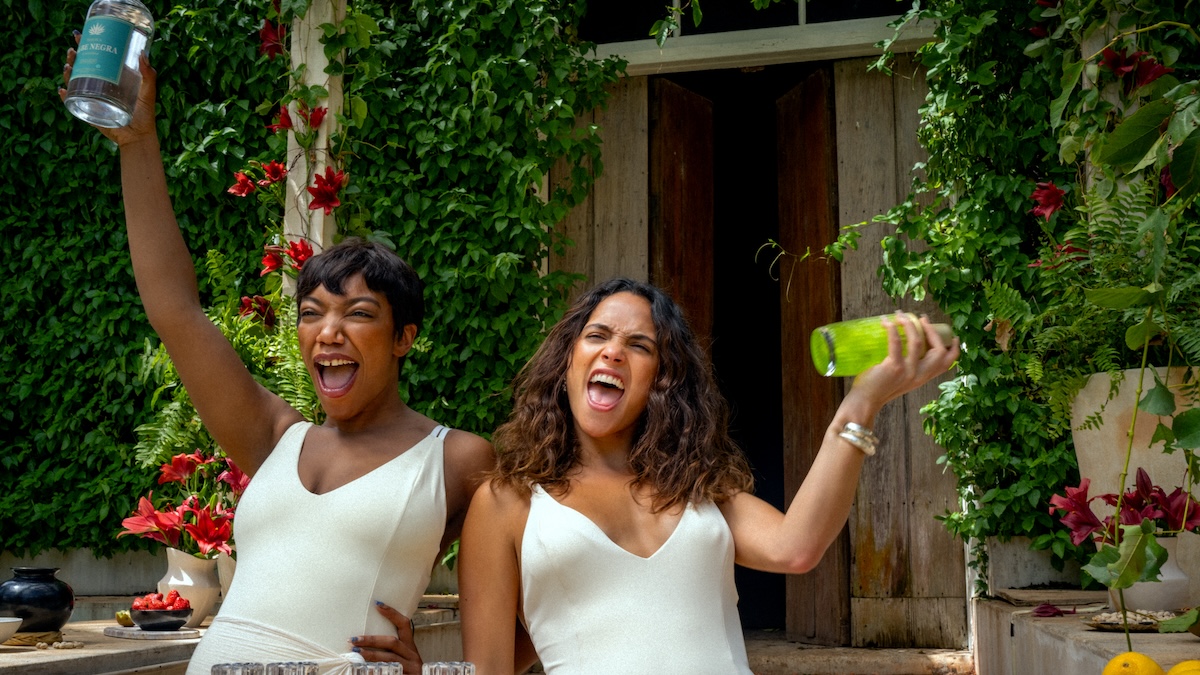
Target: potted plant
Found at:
x=1131, y=540
x=195, y=522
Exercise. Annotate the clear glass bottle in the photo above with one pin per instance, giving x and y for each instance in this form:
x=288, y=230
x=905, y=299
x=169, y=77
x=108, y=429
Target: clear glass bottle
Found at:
x=847, y=348
x=105, y=79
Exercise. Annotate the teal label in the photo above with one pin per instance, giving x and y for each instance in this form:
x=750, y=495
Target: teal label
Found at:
x=102, y=50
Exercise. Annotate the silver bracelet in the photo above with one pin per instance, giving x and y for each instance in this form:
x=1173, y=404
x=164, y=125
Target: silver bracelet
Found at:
x=860, y=437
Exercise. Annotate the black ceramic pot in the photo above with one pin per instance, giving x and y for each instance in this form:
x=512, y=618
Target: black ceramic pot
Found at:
x=37, y=596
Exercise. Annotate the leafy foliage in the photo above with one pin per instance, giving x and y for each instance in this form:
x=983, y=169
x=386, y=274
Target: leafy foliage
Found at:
x=456, y=112
x=1016, y=102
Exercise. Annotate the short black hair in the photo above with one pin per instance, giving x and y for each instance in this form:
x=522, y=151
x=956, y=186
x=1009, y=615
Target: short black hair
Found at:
x=383, y=271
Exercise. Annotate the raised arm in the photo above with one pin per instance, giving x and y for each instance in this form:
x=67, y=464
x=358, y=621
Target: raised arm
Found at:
x=242, y=416
x=794, y=542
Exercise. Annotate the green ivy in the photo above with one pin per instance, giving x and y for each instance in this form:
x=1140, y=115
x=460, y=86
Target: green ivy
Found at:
x=1003, y=114
x=458, y=111
x=986, y=127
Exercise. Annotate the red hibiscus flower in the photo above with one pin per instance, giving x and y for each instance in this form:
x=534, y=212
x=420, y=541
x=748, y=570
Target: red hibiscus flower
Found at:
x=242, y=187
x=181, y=467
x=1078, y=517
x=299, y=251
x=317, y=116
x=271, y=38
x=1168, y=185
x=151, y=523
x=234, y=478
x=271, y=262
x=1039, y=31
x=284, y=120
x=324, y=193
x=274, y=171
x=211, y=531
x=1049, y=199
x=260, y=307
x=1119, y=63
x=1148, y=71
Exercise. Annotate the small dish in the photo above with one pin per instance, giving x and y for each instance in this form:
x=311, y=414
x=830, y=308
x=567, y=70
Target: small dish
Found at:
x=160, y=619
x=9, y=626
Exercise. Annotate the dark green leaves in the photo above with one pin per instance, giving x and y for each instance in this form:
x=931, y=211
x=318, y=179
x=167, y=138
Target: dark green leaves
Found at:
x=1136, y=135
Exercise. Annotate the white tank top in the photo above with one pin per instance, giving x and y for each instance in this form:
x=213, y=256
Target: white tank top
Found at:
x=310, y=567
x=593, y=607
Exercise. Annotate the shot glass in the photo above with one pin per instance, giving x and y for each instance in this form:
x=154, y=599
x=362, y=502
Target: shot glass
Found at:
x=238, y=669
x=377, y=668
x=292, y=668
x=448, y=668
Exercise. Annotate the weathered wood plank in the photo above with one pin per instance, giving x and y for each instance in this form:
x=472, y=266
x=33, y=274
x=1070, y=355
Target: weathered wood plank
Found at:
x=620, y=197
x=909, y=622
x=818, y=603
x=932, y=489
x=867, y=186
x=681, y=200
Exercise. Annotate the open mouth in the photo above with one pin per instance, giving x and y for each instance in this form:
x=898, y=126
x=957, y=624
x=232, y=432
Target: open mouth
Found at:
x=605, y=390
x=335, y=376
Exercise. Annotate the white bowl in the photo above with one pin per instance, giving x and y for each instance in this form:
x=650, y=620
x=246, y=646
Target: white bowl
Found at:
x=9, y=626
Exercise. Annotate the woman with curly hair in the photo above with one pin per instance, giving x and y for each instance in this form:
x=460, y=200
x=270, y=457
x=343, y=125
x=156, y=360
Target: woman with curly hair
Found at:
x=619, y=505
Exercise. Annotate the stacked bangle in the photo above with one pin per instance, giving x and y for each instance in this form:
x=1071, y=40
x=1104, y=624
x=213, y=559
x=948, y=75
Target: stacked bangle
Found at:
x=860, y=437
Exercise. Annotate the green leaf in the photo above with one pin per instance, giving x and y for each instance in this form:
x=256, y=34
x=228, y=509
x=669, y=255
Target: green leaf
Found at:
x=1136, y=135
x=1185, y=167
x=1139, y=334
x=1070, y=79
x=1180, y=623
x=1158, y=401
x=1186, y=427
x=1118, y=298
x=1139, y=558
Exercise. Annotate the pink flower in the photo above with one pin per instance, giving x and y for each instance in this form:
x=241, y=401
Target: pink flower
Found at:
x=234, y=478
x=153, y=524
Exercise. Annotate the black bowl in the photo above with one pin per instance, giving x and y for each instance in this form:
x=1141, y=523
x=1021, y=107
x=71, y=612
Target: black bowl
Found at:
x=160, y=619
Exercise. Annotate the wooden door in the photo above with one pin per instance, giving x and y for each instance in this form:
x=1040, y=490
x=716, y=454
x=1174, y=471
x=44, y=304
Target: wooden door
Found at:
x=681, y=200
x=818, y=603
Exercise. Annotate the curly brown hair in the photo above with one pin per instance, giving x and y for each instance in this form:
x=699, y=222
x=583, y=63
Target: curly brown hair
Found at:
x=682, y=446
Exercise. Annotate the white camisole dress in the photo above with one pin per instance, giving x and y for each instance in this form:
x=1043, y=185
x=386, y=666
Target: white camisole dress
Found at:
x=592, y=607
x=311, y=567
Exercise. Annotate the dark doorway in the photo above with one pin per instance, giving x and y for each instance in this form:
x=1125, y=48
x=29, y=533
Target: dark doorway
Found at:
x=746, y=347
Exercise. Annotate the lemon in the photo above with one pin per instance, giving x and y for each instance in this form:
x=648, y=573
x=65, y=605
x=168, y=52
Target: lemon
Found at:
x=1132, y=663
x=1185, y=667
x=123, y=618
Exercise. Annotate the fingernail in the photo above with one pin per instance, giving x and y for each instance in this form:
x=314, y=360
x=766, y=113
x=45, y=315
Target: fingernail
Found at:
x=380, y=603
x=355, y=649
x=76, y=33
x=354, y=639
x=66, y=66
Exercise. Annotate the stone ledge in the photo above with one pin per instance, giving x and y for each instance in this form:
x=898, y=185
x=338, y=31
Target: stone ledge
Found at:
x=1009, y=640
x=771, y=654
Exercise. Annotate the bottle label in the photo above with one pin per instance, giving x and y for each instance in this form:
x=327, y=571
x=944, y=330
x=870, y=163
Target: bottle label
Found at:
x=108, y=44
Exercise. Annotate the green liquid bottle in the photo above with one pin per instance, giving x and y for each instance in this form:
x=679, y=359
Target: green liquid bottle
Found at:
x=847, y=348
